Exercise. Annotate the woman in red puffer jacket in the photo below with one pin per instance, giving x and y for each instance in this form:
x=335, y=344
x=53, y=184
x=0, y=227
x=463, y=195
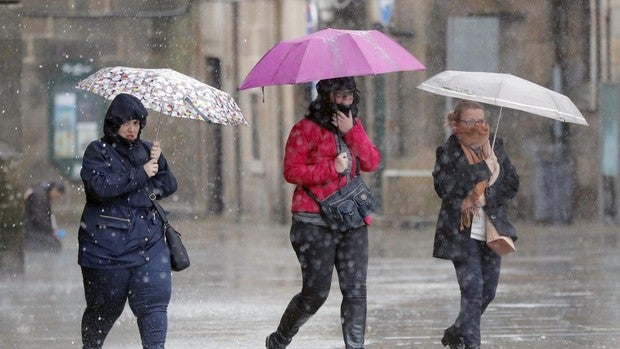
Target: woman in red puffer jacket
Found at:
x=323, y=152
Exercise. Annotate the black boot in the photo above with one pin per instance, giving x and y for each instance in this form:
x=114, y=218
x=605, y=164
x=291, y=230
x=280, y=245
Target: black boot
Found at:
x=353, y=318
x=452, y=339
x=291, y=321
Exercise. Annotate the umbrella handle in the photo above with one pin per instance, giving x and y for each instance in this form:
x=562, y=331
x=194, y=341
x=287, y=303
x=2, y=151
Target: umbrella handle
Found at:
x=497, y=127
x=159, y=121
x=339, y=137
x=158, y=128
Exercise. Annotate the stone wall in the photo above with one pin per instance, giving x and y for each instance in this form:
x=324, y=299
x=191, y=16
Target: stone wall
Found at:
x=183, y=35
x=527, y=49
x=11, y=185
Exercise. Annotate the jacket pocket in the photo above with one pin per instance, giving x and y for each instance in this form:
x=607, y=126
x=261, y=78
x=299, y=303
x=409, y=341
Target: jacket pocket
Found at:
x=111, y=221
x=112, y=232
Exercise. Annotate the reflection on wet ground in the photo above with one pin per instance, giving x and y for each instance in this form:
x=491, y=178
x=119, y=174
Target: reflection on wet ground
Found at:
x=560, y=290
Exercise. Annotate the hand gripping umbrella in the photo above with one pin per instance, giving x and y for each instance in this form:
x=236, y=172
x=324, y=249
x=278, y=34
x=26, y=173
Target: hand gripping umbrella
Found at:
x=330, y=53
x=168, y=92
x=504, y=90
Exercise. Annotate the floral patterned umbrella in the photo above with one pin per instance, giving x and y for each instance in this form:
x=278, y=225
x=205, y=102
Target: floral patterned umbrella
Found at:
x=168, y=92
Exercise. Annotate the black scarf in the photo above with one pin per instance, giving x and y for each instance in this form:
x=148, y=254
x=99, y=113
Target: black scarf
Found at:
x=321, y=113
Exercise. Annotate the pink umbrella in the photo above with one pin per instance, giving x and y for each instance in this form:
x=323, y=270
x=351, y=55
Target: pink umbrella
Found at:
x=330, y=53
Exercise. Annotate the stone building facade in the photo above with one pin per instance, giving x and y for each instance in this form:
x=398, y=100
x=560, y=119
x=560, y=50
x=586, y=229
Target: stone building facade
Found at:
x=236, y=172
x=547, y=42
x=221, y=170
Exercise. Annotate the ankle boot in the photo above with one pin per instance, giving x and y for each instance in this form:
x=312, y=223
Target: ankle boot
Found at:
x=353, y=318
x=451, y=339
x=291, y=321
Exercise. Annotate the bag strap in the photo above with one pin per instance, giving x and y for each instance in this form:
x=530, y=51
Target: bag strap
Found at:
x=313, y=197
x=150, y=195
x=160, y=209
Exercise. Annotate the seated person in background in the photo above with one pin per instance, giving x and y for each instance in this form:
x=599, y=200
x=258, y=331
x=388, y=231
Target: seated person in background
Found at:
x=39, y=221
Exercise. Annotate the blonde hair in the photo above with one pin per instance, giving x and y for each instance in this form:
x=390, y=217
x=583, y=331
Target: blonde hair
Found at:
x=463, y=105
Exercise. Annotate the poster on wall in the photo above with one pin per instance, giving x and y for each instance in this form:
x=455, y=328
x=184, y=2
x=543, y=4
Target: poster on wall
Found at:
x=74, y=118
x=65, y=118
x=87, y=131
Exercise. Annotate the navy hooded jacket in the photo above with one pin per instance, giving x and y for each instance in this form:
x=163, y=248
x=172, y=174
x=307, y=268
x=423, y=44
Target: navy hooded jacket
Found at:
x=120, y=226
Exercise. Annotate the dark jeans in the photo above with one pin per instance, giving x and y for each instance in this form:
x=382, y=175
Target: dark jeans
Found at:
x=477, y=276
x=148, y=289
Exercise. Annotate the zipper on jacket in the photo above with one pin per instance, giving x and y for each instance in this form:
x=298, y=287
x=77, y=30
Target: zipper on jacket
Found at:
x=116, y=218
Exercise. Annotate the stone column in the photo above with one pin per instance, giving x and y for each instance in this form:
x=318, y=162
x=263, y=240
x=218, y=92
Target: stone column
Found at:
x=11, y=203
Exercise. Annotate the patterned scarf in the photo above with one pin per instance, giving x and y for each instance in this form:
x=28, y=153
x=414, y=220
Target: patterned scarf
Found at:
x=473, y=137
x=475, y=199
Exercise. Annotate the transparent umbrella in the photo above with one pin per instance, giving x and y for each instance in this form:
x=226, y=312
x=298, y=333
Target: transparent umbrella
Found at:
x=504, y=90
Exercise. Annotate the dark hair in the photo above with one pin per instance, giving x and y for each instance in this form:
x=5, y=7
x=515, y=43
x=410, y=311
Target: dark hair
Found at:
x=58, y=185
x=323, y=104
x=325, y=87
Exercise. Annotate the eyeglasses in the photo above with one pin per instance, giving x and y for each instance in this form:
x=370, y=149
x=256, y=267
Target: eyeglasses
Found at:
x=472, y=122
x=344, y=93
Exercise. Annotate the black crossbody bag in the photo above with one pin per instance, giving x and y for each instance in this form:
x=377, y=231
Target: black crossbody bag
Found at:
x=179, y=258
x=347, y=207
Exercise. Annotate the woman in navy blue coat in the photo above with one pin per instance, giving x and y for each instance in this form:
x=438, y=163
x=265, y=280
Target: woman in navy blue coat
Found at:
x=475, y=184
x=122, y=250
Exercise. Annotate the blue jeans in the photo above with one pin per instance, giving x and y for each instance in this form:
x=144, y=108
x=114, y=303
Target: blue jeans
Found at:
x=478, y=276
x=147, y=287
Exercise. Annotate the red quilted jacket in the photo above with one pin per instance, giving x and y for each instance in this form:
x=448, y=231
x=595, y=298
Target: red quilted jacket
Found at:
x=309, y=160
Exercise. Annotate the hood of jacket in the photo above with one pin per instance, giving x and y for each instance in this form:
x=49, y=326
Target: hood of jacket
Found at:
x=123, y=108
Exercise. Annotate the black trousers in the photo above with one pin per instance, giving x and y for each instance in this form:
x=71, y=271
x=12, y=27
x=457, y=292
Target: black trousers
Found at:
x=478, y=276
x=319, y=250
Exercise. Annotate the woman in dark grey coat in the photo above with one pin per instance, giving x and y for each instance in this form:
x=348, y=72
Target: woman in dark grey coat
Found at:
x=39, y=221
x=122, y=250
x=475, y=184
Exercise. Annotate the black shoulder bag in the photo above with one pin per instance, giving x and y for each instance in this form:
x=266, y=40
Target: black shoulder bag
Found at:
x=179, y=259
x=347, y=207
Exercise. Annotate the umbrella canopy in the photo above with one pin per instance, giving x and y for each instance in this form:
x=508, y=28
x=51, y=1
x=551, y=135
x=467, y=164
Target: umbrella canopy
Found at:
x=168, y=92
x=504, y=90
x=330, y=53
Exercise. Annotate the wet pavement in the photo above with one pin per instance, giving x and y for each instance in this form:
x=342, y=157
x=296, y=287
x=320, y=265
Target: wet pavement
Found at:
x=560, y=290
